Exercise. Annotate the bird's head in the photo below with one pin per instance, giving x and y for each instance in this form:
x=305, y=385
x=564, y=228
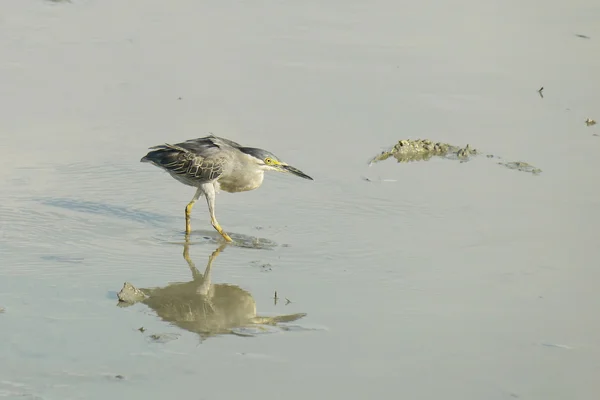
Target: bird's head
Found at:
x=267, y=161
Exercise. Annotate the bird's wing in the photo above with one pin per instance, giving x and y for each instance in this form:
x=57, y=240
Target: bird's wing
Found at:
x=201, y=159
x=205, y=144
x=200, y=162
x=219, y=141
x=195, y=166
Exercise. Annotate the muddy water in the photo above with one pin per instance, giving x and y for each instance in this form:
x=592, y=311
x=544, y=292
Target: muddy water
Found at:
x=433, y=280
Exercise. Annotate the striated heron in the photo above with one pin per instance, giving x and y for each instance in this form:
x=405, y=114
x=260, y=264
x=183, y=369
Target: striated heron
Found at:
x=212, y=163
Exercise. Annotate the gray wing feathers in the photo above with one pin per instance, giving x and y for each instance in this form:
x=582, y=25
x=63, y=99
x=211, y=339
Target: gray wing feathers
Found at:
x=208, y=143
x=196, y=167
x=195, y=159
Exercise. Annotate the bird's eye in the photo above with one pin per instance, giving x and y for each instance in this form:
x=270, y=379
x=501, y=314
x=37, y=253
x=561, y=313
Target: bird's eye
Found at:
x=268, y=161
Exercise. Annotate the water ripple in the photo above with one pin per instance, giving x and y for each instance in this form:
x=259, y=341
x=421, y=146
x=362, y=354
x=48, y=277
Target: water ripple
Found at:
x=92, y=207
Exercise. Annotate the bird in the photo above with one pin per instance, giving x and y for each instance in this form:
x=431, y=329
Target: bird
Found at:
x=213, y=163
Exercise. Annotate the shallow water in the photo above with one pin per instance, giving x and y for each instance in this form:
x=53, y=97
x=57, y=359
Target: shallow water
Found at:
x=434, y=279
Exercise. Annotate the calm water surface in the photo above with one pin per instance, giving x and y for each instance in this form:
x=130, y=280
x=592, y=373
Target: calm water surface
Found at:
x=436, y=280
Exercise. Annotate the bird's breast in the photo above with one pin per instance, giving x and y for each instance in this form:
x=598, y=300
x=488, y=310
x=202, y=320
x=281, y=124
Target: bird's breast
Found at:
x=241, y=181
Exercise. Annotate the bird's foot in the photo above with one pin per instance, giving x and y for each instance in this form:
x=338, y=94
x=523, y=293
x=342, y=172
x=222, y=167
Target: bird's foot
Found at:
x=218, y=228
x=225, y=236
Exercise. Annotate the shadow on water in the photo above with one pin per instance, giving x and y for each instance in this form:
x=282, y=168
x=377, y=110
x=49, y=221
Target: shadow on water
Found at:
x=203, y=307
x=131, y=214
x=107, y=210
x=212, y=237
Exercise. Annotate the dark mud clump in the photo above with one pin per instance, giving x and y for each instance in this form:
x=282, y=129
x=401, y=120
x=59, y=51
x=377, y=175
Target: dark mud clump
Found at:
x=409, y=150
x=423, y=149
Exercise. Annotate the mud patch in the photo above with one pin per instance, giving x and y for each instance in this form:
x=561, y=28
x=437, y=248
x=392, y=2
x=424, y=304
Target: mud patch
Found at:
x=410, y=150
x=422, y=150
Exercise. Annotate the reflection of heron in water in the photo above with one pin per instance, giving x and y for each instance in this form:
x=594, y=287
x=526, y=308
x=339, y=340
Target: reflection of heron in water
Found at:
x=200, y=306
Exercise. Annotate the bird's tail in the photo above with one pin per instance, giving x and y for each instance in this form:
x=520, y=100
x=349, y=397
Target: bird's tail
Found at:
x=163, y=154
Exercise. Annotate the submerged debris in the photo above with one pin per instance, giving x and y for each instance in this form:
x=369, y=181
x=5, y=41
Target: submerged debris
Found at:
x=408, y=150
x=560, y=346
x=540, y=90
x=590, y=122
x=264, y=267
x=164, y=337
x=422, y=150
x=521, y=166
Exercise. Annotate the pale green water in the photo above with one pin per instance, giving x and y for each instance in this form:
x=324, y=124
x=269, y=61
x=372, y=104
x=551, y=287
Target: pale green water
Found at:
x=456, y=281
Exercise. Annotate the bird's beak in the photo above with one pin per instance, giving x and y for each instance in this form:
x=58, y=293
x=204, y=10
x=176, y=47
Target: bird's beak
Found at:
x=295, y=171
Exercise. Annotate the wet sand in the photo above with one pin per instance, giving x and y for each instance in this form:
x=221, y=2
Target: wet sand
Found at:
x=435, y=279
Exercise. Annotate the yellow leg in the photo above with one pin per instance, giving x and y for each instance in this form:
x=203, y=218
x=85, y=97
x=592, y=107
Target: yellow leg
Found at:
x=209, y=190
x=188, y=219
x=188, y=212
x=216, y=225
